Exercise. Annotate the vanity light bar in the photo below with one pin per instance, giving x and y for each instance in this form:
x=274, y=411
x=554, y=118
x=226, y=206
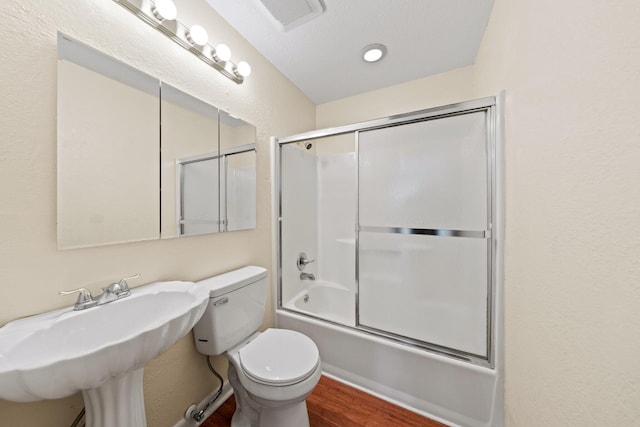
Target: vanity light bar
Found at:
x=155, y=14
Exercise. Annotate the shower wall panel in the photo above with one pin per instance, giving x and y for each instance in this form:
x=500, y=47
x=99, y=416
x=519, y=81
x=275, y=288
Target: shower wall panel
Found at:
x=299, y=213
x=336, y=218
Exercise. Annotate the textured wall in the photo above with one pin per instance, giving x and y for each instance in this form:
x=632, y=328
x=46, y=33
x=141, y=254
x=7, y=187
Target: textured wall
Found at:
x=571, y=71
x=32, y=271
x=441, y=89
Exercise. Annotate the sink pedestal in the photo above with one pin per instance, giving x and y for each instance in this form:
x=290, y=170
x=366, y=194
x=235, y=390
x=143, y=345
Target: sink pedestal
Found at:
x=116, y=403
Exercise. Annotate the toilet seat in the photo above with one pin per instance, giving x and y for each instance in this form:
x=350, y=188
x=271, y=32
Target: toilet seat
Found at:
x=279, y=357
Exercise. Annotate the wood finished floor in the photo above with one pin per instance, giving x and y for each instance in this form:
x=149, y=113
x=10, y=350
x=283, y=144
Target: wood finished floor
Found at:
x=333, y=404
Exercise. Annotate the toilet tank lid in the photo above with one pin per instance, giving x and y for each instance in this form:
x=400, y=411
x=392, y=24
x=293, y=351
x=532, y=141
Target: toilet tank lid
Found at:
x=232, y=280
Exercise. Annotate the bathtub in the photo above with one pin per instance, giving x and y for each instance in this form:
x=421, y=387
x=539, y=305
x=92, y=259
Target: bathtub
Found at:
x=454, y=392
x=326, y=300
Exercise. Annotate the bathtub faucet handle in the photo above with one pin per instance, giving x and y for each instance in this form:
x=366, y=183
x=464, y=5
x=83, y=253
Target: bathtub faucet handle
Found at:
x=303, y=261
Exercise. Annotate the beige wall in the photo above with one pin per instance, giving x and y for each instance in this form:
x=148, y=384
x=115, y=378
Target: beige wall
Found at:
x=571, y=74
x=32, y=271
x=446, y=88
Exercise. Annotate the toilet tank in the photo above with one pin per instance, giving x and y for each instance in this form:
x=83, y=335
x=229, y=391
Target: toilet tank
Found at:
x=235, y=311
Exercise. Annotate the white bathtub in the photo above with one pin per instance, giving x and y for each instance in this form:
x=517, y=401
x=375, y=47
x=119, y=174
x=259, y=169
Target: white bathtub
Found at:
x=326, y=300
x=454, y=392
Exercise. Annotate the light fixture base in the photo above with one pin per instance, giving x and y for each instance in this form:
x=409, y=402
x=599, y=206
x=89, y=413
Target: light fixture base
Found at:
x=180, y=34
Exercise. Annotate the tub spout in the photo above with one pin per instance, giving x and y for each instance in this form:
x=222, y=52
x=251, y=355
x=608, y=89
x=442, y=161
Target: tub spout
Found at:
x=307, y=276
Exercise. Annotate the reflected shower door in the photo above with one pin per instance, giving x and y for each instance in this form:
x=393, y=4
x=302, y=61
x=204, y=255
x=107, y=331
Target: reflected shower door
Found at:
x=199, y=197
x=238, y=191
x=423, y=241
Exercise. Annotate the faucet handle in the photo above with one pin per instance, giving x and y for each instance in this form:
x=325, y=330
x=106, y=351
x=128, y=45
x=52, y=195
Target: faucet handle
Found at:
x=303, y=261
x=124, y=286
x=85, y=299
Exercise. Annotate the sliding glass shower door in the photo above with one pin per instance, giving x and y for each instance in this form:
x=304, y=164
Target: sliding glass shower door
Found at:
x=424, y=223
x=395, y=218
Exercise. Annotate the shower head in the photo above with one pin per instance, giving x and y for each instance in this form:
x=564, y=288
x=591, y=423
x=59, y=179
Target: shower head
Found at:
x=305, y=144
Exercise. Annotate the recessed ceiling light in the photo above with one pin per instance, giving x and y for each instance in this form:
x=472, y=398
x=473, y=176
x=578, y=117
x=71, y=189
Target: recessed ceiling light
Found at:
x=374, y=52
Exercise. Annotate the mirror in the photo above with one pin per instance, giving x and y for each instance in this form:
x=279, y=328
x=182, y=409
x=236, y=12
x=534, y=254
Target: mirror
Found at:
x=199, y=195
x=114, y=123
x=108, y=132
x=238, y=203
x=238, y=173
x=217, y=192
x=189, y=137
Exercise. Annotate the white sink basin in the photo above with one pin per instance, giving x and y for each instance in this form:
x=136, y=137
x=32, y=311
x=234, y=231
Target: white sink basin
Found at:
x=100, y=351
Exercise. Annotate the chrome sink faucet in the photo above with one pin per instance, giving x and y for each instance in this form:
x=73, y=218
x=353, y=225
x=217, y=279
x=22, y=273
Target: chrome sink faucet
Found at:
x=115, y=291
x=112, y=292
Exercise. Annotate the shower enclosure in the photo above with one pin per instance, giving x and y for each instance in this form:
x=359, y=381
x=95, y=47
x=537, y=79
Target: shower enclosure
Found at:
x=388, y=243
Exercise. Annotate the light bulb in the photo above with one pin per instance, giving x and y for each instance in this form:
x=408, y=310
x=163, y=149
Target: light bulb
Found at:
x=372, y=55
x=197, y=35
x=374, y=52
x=222, y=53
x=165, y=9
x=243, y=69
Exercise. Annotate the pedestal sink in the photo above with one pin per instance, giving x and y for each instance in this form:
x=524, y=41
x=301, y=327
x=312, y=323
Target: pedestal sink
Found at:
x=100, y=351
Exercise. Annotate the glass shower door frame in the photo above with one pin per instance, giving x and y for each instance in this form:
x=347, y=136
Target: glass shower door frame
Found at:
x=493, y=114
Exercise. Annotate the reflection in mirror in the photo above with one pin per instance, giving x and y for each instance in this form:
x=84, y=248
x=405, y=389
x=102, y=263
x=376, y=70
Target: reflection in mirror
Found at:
x=108, y=133
x=238, y=200
x=198, y=195
x=189, y=160
x=217, y=193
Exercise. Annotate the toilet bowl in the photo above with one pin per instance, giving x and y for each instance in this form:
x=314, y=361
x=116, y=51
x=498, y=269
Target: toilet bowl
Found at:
x=275, y=371
x=272, y=372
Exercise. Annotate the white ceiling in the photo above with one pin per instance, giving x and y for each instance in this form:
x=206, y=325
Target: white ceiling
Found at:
x=323, y=56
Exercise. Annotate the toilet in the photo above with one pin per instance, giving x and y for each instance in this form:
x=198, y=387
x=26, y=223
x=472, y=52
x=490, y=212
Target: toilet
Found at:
x=271, y=372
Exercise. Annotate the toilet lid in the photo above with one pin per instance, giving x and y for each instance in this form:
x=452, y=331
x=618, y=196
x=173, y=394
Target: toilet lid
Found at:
x=279, y=357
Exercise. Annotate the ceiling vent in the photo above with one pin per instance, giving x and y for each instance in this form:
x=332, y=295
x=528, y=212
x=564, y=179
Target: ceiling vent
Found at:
x=291, y=13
